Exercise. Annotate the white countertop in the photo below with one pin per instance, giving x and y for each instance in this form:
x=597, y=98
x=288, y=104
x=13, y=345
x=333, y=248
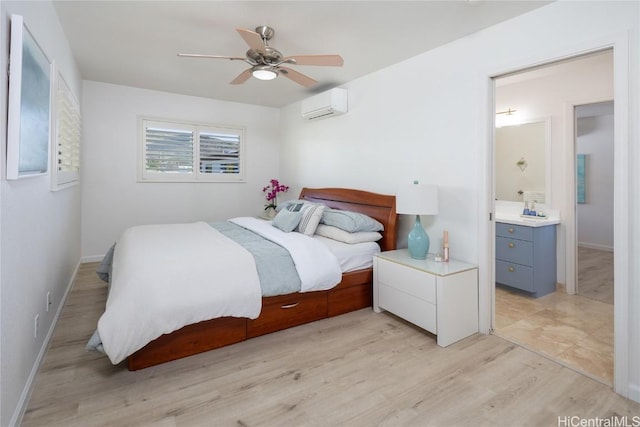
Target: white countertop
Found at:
x=510, y=213
x=528, y=221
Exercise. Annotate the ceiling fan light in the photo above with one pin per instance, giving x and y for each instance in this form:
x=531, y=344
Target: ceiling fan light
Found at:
x=264, y=73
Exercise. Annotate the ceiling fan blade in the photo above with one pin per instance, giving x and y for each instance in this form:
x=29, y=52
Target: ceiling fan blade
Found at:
x=197, y=55
x=252, y=38
x=297, y=77
x=322, y=60
x=242, y=77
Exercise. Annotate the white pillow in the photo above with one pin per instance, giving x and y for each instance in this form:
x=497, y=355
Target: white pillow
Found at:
x=310, y=218
x=340, y=235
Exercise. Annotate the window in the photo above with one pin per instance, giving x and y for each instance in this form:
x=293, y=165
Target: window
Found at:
x=173, y=151
x=67, y=132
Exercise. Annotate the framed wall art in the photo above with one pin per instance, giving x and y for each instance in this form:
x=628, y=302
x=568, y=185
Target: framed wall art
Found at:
x=29, y=115
x=581, y=171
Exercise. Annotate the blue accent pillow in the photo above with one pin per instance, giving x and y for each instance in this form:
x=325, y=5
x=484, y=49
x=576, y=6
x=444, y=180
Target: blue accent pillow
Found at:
x=286, y=220
x=287, y=203
x=352, y=222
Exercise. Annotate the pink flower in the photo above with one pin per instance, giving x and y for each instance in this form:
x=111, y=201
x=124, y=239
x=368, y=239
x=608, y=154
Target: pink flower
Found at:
x=272, y=191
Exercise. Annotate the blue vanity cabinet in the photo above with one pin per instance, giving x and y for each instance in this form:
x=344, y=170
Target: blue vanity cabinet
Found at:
x=526, y=258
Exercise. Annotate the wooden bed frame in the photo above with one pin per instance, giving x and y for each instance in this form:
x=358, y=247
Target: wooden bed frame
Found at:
x=354, y=292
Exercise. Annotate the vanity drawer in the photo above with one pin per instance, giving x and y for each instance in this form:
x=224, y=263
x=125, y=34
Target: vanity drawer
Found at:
x=512, y=250
x=407, y=280
x=511, y=231
x=515, y=275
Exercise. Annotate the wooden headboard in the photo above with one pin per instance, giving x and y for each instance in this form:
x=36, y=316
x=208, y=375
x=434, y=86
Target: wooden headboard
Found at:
x=381, y=207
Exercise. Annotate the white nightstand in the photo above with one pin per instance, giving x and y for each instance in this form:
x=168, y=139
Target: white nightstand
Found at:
x=441, y=297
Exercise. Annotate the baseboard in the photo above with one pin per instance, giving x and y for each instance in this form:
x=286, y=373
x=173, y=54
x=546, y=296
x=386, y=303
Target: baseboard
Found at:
x=91, y=258
x=18, y=414
x=595, y=246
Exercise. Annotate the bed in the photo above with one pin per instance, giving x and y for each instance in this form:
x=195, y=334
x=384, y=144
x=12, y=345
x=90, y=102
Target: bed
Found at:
x=353, y=292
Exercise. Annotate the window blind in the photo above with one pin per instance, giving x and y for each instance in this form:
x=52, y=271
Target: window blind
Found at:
x=219, y=153
x=68, y=134
x=189, y=152
x=168, y=150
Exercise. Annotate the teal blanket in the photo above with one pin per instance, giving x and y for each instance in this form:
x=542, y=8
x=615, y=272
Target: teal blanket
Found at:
x=276, y=270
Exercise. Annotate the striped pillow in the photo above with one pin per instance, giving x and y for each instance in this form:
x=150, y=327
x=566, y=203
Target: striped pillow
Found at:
x=310, y=218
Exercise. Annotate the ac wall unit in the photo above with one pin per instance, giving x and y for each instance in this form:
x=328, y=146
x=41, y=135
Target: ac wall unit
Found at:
x=327, y=104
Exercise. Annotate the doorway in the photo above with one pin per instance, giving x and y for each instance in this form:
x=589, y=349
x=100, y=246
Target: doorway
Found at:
x=572, y=329
x=594, y=138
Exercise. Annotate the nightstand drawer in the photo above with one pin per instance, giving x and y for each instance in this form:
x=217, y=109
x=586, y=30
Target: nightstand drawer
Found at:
x=514, y=275
x=514, y=231
x=512, y=250
x=407, y=280
x=416, y=311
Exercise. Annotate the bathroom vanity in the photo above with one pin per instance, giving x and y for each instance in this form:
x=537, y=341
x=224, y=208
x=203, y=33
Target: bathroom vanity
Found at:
x=526, y=254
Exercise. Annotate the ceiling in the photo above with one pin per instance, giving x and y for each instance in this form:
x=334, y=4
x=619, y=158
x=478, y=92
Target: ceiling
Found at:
x=135, y=43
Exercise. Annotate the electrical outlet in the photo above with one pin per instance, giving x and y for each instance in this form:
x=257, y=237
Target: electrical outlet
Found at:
x=35, y=326
x=48, y=300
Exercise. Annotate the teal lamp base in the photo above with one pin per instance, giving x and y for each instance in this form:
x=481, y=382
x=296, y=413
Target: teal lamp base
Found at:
x=418, y=241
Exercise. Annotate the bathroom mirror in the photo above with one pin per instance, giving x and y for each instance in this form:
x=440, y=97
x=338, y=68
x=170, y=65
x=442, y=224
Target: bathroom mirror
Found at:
x=522, y=162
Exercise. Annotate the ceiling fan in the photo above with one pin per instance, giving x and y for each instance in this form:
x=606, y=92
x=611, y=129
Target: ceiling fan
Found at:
x=267, y=62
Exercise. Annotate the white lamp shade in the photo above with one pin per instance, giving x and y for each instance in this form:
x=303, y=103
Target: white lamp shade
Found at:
x=417, y=199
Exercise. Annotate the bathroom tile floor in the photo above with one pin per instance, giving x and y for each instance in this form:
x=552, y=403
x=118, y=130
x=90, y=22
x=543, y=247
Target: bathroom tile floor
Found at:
x=571, y=329
x=595, y=274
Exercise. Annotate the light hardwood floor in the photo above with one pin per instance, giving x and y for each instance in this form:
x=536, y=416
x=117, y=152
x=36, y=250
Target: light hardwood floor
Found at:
x=359, y=369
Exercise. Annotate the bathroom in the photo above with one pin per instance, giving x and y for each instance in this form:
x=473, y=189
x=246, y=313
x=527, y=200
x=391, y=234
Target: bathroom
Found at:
x=536, y=160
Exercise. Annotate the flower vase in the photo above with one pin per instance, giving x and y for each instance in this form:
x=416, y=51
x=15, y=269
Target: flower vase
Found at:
x=270, y=212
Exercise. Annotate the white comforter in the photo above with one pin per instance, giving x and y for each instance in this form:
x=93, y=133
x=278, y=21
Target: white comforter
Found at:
x=168, y=276
x=318, y=268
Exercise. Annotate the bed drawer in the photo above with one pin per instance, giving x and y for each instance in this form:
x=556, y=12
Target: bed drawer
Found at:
x=286, y=311
x=190, y=340
x=350, y=299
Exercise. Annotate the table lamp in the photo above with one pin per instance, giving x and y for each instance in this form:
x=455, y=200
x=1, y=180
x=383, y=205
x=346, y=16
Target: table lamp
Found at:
x=417, y=199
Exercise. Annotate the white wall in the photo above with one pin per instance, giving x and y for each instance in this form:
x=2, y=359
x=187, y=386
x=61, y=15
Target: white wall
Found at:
x=546, y=96
x=113, y=200
x=428, y=118
x=595, y=217
x=399, y=128
x=39, y=230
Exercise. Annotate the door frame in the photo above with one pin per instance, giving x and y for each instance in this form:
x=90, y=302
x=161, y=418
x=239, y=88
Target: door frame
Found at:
x=619, y=42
